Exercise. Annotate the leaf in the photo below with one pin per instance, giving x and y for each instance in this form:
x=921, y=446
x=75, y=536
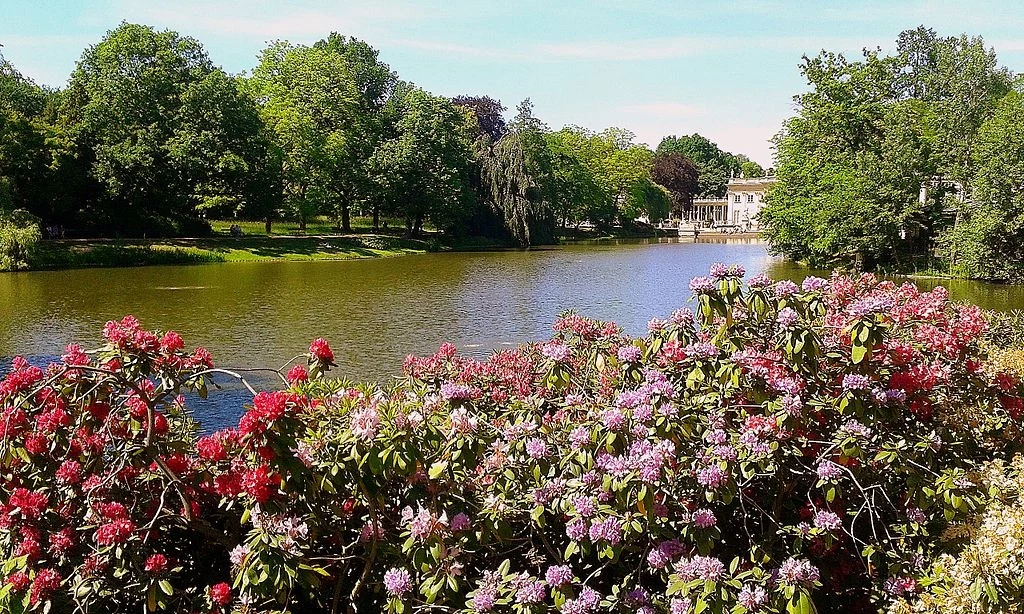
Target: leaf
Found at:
x=858, y=353
x=437, y=469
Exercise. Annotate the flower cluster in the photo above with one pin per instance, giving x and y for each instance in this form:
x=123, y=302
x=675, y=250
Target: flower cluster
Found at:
x=780, y=447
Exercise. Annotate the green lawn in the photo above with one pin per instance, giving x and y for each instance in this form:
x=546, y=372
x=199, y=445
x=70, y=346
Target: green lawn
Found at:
x=105, y=253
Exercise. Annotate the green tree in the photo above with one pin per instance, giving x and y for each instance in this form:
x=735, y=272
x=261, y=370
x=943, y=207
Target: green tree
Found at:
x=987, y=240
x=749, y=168
x=866, y=167
x=28, y=145
x=714, y=166
x=423, y=170
x=159, y=127
x=517, y=173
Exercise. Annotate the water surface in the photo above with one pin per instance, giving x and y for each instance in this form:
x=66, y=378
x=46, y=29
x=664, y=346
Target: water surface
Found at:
x=375, y=312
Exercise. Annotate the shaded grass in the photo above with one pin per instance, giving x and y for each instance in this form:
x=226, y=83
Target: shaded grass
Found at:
x=319, y=225
x=100, y=253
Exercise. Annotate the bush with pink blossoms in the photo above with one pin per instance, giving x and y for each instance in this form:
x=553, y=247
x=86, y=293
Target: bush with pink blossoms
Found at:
x=733, y=461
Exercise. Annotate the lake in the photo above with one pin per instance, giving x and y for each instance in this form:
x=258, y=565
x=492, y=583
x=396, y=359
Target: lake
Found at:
x=375, y=312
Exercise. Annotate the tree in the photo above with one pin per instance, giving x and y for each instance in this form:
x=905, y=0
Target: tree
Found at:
x=374, y=83
x=988, y=240
x=714, y=166
x=677, y=174
x=161, y=129
x=517, y=173
x=879, y=146
x=651, y=200
x=424, y=169
x=489, y=115
x=310, y=102
x=24, y=155
x=749, y=168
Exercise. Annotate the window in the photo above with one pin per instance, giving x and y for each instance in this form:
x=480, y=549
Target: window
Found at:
x=750, y=198
x=736, y=198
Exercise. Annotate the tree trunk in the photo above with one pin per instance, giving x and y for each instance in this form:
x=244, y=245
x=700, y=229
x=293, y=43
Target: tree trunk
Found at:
x=302, y=224
x=346, y=219
x=267, y=224
x=376, y=218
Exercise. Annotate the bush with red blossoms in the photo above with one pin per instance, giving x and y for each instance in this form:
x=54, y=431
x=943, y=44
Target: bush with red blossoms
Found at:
x=780, y=448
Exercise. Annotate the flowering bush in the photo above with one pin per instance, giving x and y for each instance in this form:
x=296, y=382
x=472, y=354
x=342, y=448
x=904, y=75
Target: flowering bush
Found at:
x=987, y=575
x=782, y=448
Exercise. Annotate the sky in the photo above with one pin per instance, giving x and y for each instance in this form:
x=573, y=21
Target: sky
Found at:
x=727, y=69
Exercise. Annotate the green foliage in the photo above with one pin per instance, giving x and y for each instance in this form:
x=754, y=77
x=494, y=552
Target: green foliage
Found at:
x=517, y=174
x=714, y=166
x=19, y=236
x=423, y=169
x=868, y=167
x=987, y=240
x=161, y=129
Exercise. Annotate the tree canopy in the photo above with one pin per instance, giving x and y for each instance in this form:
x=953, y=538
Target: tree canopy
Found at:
x=150, y=137
x=879, y=165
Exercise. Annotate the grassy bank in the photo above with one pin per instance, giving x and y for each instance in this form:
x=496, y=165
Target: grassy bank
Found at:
x=110, y=253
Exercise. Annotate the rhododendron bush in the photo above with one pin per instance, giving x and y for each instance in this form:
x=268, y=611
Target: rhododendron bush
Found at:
x=779, y=448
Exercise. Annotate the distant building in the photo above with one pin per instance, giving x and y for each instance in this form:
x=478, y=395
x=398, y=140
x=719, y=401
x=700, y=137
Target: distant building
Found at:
x=745, y=197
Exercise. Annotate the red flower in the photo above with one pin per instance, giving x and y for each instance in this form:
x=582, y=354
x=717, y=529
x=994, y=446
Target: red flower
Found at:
x=171, y=342
x=156, y=564
x=115, y=532
x=321, y=351
x=211, y=449
x=37, y=444
x=227, y=484
x=220, y=594
x=47, y=581
x=31, y=504
x=70, y=472
x=63, y=541
x=19, y=581
x=297, y=375
x=271, y=405
x=112, y=511
x=260, y=483
x=201, y=358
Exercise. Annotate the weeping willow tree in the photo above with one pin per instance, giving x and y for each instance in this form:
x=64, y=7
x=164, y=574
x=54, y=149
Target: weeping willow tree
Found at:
x=516, y=177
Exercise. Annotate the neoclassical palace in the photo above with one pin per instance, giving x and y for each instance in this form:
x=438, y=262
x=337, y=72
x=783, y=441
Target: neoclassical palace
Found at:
x=739, y=208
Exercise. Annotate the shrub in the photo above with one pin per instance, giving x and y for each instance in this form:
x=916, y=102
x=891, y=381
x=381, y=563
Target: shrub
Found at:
x=988, y=574
x=783, y=448
x=19, y=235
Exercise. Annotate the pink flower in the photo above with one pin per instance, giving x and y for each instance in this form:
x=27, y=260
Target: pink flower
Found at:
x=397, y=581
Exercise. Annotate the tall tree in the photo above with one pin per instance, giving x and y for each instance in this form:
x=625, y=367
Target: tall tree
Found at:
x=987, y=240
x=677, y=174
x=489, y=115
x=310, y=102
x=517, y=172
x=424, y=169
x=138, y=103
x=714, y=166
x=870, y=139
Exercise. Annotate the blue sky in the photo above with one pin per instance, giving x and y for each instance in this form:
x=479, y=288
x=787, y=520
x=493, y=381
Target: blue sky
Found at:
x=726, y=69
